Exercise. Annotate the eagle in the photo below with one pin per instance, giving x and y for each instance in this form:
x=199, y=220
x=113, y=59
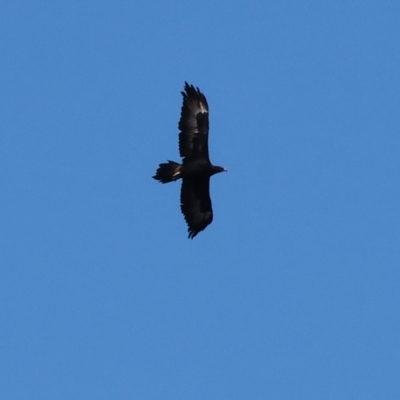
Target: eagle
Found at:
x=196, y=169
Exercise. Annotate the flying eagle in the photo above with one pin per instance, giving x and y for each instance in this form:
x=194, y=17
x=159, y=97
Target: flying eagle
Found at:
x=196, y=168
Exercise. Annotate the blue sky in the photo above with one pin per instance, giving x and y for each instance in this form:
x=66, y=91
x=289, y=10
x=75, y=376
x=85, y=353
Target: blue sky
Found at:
x=291, y=293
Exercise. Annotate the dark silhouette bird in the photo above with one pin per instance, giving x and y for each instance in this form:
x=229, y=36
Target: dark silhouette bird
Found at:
x=196, y=168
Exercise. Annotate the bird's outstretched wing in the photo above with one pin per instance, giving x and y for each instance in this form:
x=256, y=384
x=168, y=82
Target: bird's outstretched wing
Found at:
x=193, y=125
x=196, y=204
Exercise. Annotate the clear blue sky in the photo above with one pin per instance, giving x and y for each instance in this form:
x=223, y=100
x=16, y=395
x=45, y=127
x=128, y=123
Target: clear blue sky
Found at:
x=291, y=293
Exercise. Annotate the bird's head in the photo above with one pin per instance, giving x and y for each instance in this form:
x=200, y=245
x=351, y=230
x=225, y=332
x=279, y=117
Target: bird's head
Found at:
x=217, y=170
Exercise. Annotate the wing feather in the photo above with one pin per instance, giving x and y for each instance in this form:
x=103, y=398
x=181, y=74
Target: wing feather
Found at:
x=196, y=204
x=193, y=125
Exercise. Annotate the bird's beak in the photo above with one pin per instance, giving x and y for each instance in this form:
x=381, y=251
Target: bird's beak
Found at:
x=225, y=170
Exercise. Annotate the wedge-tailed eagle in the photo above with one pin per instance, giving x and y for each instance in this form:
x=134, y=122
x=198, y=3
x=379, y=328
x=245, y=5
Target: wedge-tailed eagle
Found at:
x=196, y=168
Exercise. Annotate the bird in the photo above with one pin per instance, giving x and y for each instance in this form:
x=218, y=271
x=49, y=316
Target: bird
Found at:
x=195, y=169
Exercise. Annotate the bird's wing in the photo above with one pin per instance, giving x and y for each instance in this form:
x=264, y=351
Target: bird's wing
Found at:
x=196, y=204
x=193, y=125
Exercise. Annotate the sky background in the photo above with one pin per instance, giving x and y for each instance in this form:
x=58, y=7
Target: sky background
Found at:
x=291, y=293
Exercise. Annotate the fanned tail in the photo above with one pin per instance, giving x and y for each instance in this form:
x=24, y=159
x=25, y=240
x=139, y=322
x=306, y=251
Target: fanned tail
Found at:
x=168, y=172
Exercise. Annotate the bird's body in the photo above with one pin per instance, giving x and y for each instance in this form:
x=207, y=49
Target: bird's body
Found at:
x=196, y=168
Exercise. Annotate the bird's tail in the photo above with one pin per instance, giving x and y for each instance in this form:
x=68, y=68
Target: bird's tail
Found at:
x=168, y=172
